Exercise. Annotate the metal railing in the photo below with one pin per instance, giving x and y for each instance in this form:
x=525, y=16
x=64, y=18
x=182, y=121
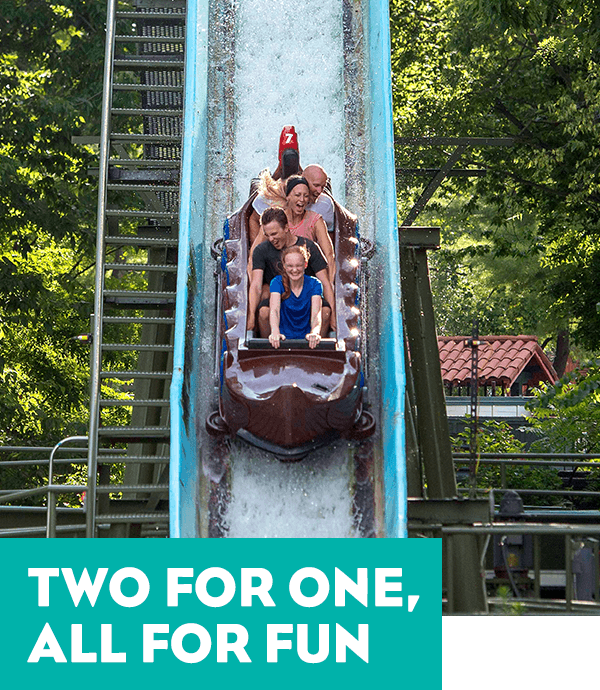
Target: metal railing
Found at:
x=564, y=522
x=571, y=533
x=96, y=350
x=50, y=490
x=558, y=461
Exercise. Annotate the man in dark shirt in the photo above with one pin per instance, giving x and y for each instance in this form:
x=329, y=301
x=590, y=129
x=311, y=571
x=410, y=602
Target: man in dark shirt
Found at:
x=265, y=266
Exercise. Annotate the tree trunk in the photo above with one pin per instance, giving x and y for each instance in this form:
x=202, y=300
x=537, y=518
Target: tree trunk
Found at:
x=562, y=352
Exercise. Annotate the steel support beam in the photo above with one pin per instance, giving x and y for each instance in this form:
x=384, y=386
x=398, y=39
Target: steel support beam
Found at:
x=462, y=145
x=432, y=422
x=462, y=554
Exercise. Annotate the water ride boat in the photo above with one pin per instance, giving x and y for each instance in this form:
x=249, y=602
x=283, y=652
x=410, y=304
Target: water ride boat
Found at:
x=290, y=400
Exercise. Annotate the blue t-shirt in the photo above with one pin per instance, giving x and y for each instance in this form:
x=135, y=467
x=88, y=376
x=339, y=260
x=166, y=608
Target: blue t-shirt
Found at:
x=294, y=314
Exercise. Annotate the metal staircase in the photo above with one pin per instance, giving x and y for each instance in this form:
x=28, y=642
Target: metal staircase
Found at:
x=136, y=259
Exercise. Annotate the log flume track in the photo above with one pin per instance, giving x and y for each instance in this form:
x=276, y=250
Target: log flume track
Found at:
x=252, y=67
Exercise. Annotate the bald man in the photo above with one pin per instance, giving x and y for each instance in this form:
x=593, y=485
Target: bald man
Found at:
x=319, y=203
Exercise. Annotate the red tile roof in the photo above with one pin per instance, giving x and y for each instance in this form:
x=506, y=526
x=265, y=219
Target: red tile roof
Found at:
x=501, y=359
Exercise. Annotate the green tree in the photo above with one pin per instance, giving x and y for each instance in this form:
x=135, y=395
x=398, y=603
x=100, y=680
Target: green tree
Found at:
x=530, y=71
x=565, y=417
x=471, y=279
x=50, y=91
x=497, y=437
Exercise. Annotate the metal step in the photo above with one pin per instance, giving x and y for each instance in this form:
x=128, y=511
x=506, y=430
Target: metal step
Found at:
x=150, y=39
x=135, y=213
x=126, y=347
x=167, y=268
x=146, y=138
x=133, y=459
x=155, y=241
x=145, y=488
x=133, y=517
x=105, y=402
x=158, y=320
x=141, y=294
x=146, y=113
x=136, y=434
x=136, y=374
x=146, y=87
x=121, y=63
x=149, y=187
x=171, y=16
x=144, y=163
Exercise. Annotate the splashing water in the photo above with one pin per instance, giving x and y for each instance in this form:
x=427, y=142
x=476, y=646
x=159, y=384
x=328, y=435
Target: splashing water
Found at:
x=291, y=500
x=289, y=67
x=288, y=71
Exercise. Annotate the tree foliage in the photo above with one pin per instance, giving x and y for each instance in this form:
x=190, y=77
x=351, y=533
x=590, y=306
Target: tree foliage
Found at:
x=529, y=71
x=565, y=417
x=497, y=437
x=50, y=91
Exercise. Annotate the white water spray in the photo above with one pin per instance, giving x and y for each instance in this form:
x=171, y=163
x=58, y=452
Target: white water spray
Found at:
x=289, y=71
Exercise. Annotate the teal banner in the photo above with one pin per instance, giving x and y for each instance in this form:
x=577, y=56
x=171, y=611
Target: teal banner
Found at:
x=254, y=612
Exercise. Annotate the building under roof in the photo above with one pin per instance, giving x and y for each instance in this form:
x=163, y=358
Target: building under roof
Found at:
x=508, y=365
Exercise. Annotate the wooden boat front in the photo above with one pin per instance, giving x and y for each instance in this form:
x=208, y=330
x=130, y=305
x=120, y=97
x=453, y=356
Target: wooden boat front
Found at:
x=292, y=398
x=289, y=399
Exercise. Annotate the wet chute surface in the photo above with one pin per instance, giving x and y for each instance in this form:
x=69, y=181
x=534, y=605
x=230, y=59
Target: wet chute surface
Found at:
x=268, y=66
